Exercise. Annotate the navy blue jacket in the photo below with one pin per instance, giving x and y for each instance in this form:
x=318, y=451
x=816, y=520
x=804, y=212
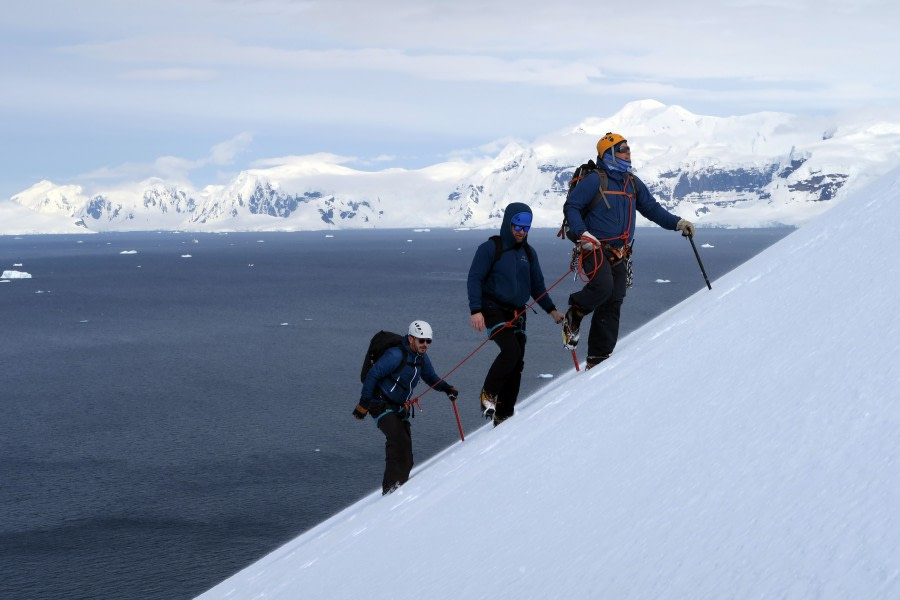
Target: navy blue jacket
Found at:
x=398, y=389
x=609, y=224
x=512, y=280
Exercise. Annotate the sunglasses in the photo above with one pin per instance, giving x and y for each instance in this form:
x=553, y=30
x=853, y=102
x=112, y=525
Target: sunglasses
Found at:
x=524, y=228
x=423, y=340
x=623, y=150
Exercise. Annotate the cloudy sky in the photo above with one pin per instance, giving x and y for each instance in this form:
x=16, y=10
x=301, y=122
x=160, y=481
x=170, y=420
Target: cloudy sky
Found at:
x=108, y=90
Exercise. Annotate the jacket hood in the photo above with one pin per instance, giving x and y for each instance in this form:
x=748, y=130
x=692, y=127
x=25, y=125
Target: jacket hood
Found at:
x=512, y=210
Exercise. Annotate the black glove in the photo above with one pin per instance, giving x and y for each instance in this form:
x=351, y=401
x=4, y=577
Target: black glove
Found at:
x=452, y=393
x=360, y=412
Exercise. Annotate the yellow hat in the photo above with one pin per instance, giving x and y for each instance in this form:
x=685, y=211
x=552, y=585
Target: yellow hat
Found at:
x=608, y=141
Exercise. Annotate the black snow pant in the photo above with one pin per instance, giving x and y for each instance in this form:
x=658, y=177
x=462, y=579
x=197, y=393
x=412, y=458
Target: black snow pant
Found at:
x=398, y=453
x=505, y=375
x=602, y=296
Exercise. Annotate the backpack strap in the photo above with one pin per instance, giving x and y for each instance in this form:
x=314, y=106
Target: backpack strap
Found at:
x=600, y=195
x=498, y=252
x=563, y=232
x=404, y=361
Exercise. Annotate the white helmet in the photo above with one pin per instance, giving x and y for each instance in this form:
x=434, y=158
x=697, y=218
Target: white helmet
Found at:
x=420, y=329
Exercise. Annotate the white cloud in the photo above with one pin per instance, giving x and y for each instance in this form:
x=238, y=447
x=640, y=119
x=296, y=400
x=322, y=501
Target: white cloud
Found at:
x=173, y=168
x=176, y=74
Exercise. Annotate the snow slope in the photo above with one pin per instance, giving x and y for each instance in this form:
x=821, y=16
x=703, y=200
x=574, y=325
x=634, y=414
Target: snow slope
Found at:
x=742, y=445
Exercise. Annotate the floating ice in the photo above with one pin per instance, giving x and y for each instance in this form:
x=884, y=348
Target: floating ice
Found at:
x=663, y=281
x=17, y=265
x=283, y=324
x=15, y=275
x=328, y=235
x=421, y=230
x=186, y=256
x=545, y=376
x=707, y=246
x=128, y=252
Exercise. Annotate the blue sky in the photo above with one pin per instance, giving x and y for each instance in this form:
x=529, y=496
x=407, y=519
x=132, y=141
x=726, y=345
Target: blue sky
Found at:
x=106, y=90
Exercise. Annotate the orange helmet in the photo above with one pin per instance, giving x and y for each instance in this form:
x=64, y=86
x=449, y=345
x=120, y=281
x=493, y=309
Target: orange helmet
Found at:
x=608, y=141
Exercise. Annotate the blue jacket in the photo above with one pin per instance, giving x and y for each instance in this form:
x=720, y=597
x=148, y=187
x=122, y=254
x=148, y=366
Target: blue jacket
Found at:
x=609, y=223
x=399, y=389
x=512, y=280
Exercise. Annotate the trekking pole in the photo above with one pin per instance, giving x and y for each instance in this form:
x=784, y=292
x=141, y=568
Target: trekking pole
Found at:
x=462, y=436
x=699, y=262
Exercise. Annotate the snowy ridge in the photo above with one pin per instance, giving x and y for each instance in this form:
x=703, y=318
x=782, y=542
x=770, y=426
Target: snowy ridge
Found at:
x=741, y=445
x=751, y=170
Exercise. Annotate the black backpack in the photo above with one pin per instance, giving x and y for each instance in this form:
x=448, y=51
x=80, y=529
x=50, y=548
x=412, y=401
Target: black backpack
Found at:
x=579, y=174
x=381, y=342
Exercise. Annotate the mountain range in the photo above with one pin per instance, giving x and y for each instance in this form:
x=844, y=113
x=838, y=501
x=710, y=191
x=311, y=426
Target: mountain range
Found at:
x=760, y=169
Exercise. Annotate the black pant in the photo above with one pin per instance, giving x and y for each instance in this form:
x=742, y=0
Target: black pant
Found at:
x=602, y=296
x=398, y=453
x=505, y=375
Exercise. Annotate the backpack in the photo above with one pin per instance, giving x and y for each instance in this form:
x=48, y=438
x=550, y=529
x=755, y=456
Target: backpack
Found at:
x=380, y=343
x=579, y=174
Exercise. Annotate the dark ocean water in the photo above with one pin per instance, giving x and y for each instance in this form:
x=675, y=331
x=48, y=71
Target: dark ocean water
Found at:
x=167, y=420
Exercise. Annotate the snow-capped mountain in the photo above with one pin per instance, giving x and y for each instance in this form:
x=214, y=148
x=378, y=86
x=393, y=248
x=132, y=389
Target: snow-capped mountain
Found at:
x=752, y=170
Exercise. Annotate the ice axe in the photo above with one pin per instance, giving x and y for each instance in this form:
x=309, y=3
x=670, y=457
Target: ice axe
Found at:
x=462, y=436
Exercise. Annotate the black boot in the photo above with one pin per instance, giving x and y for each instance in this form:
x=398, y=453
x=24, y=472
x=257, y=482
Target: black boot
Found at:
x=593, y=361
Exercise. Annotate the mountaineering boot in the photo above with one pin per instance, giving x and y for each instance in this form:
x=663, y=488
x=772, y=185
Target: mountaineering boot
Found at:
x=593, y=361
x=571, y=327
x=498, y=420
x=488, y=405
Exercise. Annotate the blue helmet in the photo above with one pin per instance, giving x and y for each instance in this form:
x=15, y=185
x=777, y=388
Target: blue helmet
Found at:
x=522, y=219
